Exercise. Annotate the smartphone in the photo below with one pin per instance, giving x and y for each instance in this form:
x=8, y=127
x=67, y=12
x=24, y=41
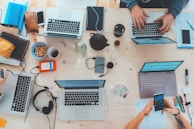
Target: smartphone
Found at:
x=40, y=17
x=99, y=64
x=159, y=101
x=186, y=36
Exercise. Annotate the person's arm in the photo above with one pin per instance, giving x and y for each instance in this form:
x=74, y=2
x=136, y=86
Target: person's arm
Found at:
x=134, y=124
x=179, y=117
x=176, y=6
x=131, y=3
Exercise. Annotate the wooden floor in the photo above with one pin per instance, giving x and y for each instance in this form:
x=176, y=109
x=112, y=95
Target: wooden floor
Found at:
x=49, y=3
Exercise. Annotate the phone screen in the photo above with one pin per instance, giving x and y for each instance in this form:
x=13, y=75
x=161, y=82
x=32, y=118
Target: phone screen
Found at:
x=185, y=36
x=159, y=101
x=40, y=17
x=99, y=64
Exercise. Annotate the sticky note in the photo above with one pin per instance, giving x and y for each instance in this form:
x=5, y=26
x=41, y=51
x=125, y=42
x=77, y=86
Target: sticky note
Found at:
x=2, y=122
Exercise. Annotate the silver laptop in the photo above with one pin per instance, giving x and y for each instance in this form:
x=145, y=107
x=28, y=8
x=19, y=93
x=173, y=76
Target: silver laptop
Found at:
x=81, y=99
x=150, y=33
x=63, y=23
x=17, y=94
x=157, y=77
x=9, y=61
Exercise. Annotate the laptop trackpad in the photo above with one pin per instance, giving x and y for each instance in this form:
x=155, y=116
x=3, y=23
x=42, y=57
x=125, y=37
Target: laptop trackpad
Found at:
x=157, y=88
x=81, y=113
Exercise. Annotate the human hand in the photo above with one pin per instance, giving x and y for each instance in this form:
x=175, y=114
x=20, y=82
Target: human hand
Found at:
x=138, y=16
x=148, y=108
x=167, y=21
x=169, y=107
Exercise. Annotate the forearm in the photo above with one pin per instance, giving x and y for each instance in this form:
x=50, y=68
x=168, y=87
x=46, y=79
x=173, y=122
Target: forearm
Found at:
x=134, y=124
x=131, y=4
x=180, y=118
x=176, y=6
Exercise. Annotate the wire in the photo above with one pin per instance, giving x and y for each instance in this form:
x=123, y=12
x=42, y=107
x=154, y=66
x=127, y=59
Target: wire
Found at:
x=23, y=67
x=87, y=62
x=94, y=65
x=187, y=105
x=97, y=20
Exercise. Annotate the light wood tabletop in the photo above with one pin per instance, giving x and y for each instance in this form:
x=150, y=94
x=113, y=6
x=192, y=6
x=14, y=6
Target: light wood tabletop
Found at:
x=128, y=59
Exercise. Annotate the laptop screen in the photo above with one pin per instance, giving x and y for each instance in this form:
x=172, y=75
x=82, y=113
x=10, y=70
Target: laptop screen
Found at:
x=160, y=66
x=74, y=84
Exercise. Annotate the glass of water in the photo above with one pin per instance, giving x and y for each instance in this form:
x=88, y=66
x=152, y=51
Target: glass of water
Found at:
x=121, y=90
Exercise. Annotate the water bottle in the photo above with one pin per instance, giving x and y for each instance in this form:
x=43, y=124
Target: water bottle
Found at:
x=81, y=48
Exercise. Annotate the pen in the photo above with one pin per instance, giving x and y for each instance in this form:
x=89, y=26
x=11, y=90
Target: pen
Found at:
x=190, y=25
x=186, y=76
x=179, y=103
x=182, y=103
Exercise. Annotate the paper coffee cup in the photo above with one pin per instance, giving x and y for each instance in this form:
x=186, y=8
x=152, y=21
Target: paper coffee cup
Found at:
x=53, y=52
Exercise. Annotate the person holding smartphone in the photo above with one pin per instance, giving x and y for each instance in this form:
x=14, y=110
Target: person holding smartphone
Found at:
x=169, y=108
x=139, y=15
x=2, y=82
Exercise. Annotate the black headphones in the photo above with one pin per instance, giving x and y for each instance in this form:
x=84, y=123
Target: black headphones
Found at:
x=44, y=110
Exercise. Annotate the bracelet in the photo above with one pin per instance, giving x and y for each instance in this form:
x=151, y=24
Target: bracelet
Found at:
x=177, y=113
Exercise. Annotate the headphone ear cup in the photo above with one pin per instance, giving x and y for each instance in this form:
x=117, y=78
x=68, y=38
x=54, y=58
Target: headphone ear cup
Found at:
x=47, y=110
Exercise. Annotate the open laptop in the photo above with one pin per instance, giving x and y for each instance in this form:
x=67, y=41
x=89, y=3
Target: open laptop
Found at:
x=63, y=23
x=17, y=94
x=81, y=99
x=157, y=77
x=150, y=33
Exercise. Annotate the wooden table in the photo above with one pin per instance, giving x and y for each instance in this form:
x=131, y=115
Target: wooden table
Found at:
x=128, y=58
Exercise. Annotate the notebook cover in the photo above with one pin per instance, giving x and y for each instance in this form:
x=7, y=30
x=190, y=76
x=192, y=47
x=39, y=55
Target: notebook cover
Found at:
x=15, y=14
x=21, y=45
x=93, y=18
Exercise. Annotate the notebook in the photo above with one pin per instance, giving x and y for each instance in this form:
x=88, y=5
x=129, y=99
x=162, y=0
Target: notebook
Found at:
x=17, y=94
x=81, y=99
x=63, y=23
x=157, y=77
x=150, y=33
x=15, y=14
x=21, y=46
x=95, y=17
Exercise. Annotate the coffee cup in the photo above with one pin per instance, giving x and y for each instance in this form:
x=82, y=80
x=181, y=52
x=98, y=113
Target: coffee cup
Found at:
x=53, y=52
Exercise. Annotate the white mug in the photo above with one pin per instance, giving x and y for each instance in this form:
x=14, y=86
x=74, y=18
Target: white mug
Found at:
x=53, y=52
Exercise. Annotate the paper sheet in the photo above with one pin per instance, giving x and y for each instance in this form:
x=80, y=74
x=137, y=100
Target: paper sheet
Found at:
x=156, y=120
x=181, y=24
x=74, y=3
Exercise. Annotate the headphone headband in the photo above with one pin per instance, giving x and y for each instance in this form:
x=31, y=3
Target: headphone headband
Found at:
x=50, y=102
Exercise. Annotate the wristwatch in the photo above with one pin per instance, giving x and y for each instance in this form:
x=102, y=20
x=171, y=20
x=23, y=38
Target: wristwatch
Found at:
x=177, y=113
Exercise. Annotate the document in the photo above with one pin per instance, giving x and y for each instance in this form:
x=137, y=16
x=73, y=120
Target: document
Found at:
x=156, y=120
x=184, y=21
x=74, y=3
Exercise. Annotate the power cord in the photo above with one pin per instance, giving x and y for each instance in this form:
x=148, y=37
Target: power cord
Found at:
x=46, y=87
x=187, y=105
x=22, y=66
x=108, y=66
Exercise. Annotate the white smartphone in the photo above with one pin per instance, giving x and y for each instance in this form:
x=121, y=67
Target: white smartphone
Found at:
x=40, y=17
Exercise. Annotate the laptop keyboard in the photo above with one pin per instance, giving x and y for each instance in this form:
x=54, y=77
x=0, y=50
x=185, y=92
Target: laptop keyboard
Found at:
x=150, y=29
x=82, y=98
x=21, y=93
x=157, y=79
x=63, y=26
